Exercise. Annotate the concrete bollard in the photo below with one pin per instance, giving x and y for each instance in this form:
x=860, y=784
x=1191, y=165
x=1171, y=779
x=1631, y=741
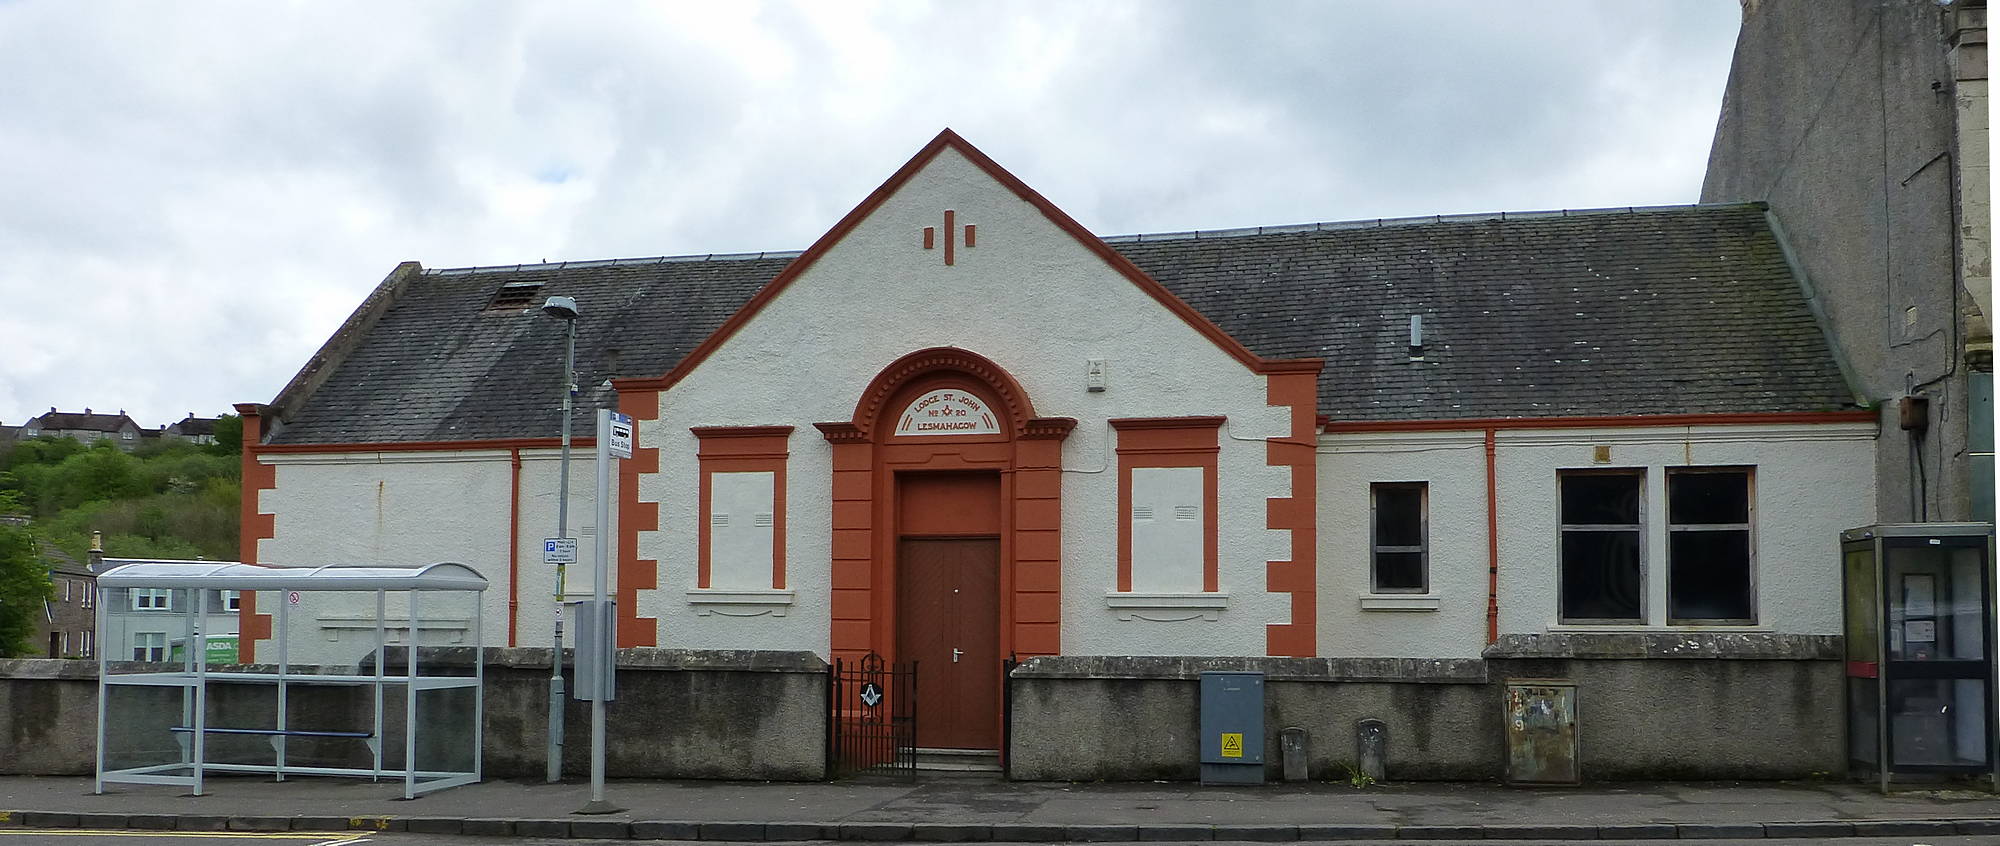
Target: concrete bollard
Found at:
x=1292, y=747
x=1371, y=749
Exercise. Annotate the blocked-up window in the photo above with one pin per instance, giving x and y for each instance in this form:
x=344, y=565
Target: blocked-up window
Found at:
x=1399, y=537
x=742, y=524
x=1709, y=548
x=1602, y=543
x=1168, y=527
x=1167, y=501
x=149, y=646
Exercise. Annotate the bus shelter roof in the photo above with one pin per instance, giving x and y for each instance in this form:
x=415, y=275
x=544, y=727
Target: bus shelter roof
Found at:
x=232, y=575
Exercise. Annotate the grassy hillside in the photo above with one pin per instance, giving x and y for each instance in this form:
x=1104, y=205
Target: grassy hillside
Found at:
x=166, y=500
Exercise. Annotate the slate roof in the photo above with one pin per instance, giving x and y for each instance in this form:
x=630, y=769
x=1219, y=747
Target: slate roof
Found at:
x=1640, y=311
x=191, y=426
x=70, y=421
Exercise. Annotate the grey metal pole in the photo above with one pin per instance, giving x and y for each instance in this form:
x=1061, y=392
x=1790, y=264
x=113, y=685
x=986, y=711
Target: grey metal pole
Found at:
x=605, y=624
x=555, y=750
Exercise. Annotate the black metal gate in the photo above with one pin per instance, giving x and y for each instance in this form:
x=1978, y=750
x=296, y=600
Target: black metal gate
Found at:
x=871, y=719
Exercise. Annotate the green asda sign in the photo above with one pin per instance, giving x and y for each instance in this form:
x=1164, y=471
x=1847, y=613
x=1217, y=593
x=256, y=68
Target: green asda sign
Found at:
x=221, y=650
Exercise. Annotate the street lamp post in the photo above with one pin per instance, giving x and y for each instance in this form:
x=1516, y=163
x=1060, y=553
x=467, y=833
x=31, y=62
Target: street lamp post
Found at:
x=564, y=309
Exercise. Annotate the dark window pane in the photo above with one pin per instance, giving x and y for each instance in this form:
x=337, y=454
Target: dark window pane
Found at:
x=1710, y=578
x=1600, y=575
x=1708, y=498
x=1398, y=515
x=1399, y=571
x=1600, y=499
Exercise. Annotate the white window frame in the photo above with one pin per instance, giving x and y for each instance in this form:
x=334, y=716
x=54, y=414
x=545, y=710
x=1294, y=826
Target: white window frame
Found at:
x=231, y=600
x=153, y=653
x=89, y=639
x=152, y=599
x=1748, y=527
x=1639, y=528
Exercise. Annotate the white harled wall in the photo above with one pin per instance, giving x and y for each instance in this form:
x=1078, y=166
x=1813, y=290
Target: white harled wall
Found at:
x=1033, y=300
x=418, y=507
x=1810, y=482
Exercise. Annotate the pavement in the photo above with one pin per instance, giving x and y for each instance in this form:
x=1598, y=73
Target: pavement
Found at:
x=971, y=809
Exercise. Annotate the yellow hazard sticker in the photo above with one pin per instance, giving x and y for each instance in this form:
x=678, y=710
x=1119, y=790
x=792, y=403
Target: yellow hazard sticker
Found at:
x=1232, y=745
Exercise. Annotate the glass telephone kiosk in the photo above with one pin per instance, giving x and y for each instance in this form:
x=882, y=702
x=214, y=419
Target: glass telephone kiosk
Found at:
x=1920, y=626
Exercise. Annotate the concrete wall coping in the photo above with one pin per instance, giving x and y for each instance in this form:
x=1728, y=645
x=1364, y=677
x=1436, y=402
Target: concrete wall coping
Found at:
x=1754, y=646
x=636, y=658
x=1419, y=670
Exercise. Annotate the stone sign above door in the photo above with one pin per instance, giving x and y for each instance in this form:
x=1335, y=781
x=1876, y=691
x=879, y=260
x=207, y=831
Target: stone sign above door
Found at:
x=947, y=411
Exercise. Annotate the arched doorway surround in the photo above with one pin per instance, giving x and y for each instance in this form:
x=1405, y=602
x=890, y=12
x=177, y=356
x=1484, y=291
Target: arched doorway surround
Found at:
x=1022, y=450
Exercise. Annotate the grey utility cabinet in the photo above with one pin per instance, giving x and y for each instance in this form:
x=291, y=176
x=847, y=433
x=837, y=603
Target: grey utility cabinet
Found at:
x=1232, y=728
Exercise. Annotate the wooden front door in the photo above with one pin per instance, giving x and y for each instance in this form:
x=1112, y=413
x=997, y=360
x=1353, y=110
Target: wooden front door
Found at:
x=948, y=600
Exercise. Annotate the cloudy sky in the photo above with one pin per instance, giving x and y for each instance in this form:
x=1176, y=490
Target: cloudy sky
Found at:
x=194, y=195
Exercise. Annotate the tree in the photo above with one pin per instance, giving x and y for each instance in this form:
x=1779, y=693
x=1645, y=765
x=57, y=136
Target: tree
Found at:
x=24, y=587
x=228, y=435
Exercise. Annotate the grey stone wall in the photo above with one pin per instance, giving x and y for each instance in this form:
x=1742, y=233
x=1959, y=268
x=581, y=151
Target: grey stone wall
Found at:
x=1650, y=707
x=679, y=714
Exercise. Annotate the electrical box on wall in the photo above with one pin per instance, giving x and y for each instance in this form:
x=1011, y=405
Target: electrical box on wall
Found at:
x=1095, y=375
x=1915, y=413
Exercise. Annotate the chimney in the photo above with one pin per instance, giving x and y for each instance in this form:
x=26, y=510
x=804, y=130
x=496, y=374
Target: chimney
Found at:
x=96, y=557
x=86, y=409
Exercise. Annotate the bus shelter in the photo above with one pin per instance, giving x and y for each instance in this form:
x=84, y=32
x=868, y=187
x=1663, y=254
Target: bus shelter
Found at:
x=201, y=583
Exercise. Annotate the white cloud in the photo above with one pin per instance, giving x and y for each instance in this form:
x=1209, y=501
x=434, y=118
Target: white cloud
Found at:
x=197, y=194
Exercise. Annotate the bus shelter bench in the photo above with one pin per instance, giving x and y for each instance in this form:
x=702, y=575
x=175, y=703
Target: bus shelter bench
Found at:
x=277, y=739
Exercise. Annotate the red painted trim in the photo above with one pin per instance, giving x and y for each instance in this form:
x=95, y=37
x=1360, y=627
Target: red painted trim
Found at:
x=514, y=550
x=950, y=234
x=252, y=526
x=971, y=235
x=430, y=446
x=743, y=449
x=1295, y=387
x=634, y=573
x=930, y=237
x=1170, y=442
x=866, y=459
x=1863, y=670
x=1612, y=421
x=962, y=368
x=949, y=139
x=1492, y=542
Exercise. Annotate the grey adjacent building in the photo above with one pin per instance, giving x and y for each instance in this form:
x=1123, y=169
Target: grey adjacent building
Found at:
x=1864, y=126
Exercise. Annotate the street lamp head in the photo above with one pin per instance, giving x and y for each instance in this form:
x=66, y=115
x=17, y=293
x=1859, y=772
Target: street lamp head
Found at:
x=561, y=308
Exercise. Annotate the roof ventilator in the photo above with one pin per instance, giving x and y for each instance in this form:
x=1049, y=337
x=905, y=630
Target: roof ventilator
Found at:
x=514, y=297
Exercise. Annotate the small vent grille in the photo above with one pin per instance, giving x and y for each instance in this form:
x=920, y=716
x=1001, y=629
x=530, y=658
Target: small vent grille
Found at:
x=764, y=520
x=1142, y=512
x=514, y=296
x=1187, y=512
x=718, y=519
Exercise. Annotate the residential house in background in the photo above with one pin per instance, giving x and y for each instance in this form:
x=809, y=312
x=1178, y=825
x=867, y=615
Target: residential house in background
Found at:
x=153, y=625
x=88, y=427
x=199, y=430
x=67, y=625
